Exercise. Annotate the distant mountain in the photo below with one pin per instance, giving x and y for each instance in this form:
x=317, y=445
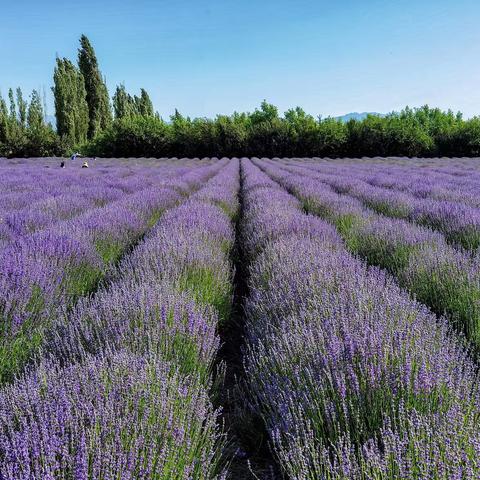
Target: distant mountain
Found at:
x=358, y=116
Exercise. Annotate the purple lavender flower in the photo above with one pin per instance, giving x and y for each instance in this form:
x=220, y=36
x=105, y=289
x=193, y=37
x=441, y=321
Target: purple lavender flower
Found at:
x=342, y=362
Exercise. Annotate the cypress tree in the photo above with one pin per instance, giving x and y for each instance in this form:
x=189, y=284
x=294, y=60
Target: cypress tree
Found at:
x=100, y=115
x=71, y=109
x=132, y=105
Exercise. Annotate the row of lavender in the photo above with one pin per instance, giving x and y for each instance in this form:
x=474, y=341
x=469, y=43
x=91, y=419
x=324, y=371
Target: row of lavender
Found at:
x=32, y=199
x=449, y=205
x=123, y=387
x=440, y=276
x=458, y=220
x=353, y=379
x=452, y=183
x=49, y=270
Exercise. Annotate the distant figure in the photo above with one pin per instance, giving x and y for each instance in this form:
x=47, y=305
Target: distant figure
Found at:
x=85, y=164
x=62, y=164
x=75, y=155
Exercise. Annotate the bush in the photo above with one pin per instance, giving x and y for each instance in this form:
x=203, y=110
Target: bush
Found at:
x=132, y=137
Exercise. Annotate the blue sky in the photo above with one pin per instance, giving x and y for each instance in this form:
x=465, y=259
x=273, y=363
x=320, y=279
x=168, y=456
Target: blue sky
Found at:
x=217, y=56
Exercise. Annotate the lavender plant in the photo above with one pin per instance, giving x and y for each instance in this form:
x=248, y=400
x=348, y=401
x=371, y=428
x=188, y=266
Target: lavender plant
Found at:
x=348, y=372
x=124, y=382
x=52, y=269
x=113, y=416
x=444, y=278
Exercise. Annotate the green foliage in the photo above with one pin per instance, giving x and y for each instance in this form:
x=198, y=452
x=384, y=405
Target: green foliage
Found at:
x=22, y=108
x=208, y=288
x=71, y=108
x=109, y=251
x=448, y=291
x=464, y=139
x=99, y=112
x=81, y=281
x=84, y=119
x=13, y=108
x=3, y=121
x=267, y=132
x=125, y=106
x=138, y=131
x=310, y=137
x=396, y=134
x=231, y=134
x=130, y=137
x=35, y=111
x=419, y=132
x=16, y=352
x=26, y=134
x=144, y=104
x=331, y=138
x=121, y=102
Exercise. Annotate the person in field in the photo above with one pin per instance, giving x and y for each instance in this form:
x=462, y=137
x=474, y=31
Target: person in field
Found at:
x=62, y=164
x=85, y=164
x=75, y=155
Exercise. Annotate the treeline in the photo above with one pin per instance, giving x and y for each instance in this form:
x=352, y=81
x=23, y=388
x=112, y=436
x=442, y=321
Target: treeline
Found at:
x=23, y=130
x=127, y=126
x=83, y=110
x=419, y=132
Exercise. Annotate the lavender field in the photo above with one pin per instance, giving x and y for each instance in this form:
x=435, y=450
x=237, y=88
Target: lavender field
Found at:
x=240, y=319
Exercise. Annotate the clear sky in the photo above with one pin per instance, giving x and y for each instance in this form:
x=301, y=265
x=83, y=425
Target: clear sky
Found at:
x=217, y=56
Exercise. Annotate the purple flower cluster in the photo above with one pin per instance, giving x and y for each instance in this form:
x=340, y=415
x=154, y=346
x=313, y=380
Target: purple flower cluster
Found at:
x=100, y=232
x=52, y=268
x=444, y=278
x=115, y=281
x=452, y=181
x=116, y=416
x=458, y=221
x=37, y=199
x=435, y=183
x=190, y=245
x=122, y=390
x=352, y=377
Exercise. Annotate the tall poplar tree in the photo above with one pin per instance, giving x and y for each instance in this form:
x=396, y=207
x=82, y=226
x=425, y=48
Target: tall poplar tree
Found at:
x=124, y=105
x=71, y=109
x=121, y=102
x=13, y=108
x=145, y=107
x=22, y=108
x=3, y=120
x=35, y=118
x=99, y=112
